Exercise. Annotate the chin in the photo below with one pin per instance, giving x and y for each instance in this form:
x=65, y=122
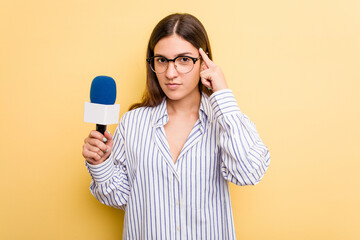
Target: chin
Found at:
x=174, y=96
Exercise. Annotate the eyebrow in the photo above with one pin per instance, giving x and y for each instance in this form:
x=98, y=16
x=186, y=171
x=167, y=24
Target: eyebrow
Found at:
x=180, y=54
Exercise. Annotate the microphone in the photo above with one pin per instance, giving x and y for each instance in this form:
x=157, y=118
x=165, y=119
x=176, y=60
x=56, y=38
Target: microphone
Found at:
x=102, y=111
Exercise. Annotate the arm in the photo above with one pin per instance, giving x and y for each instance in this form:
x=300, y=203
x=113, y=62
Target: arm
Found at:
x=109, y=179
x=244, y=157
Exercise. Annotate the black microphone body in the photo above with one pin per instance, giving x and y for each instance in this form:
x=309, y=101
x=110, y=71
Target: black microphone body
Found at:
x=101, y=128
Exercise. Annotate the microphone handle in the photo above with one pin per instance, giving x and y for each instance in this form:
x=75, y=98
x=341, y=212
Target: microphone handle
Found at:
x=101, y=128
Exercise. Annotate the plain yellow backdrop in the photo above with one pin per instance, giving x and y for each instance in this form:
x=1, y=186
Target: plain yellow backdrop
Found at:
x=292, y=65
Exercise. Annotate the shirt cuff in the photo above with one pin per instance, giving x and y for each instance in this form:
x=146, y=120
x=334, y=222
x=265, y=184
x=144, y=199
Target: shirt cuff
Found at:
x=102, y=172
x=224, y=102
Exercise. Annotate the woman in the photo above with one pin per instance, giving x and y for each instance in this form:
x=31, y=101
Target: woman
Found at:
x=172, y=156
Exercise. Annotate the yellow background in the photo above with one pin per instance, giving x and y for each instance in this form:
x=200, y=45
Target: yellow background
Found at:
x=294, y=69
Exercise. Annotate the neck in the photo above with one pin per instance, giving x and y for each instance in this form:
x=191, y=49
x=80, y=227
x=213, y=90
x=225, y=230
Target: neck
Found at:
x=189, y=105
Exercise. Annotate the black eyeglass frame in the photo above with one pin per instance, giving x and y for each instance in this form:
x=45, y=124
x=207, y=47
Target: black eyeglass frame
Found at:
x=172, y=60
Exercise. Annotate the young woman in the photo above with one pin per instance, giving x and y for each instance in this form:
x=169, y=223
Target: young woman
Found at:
x=172, y=156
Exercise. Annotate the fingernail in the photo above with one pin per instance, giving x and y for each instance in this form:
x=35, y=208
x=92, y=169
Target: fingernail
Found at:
x=107, y=150
x=104, y=140
x=108, y=131
x=201, y=49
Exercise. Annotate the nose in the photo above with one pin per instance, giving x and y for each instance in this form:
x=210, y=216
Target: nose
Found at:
x=171, y=71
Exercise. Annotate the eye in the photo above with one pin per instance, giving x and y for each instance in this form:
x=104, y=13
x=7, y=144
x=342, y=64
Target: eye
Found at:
x=184, y=59
x=160, y=60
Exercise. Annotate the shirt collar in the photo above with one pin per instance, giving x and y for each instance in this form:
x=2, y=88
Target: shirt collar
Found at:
x=206, y=113
x=159, y=115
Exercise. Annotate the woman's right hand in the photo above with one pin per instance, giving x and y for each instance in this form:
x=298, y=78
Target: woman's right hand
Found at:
x=97, y=147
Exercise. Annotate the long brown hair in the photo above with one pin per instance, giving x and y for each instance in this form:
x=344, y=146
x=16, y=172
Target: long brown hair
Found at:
x=189, y=28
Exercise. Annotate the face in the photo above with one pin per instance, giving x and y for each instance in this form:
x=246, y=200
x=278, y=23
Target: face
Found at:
x=178, y=86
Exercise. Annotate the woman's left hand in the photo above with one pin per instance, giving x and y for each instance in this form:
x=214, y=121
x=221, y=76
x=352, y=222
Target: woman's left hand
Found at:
x=211, y=75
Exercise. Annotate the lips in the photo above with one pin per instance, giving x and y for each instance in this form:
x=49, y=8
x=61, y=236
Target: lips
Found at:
x=172, y=86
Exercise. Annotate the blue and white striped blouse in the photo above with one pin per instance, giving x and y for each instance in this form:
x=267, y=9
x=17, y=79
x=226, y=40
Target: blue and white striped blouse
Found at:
x=188, y=199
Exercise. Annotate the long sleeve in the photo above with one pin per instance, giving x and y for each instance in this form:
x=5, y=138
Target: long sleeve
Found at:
x=110, y=183
x=244, y=157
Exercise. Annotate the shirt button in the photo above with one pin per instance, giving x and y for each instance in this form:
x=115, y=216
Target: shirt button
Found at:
x=178, y=228
x=177, y=203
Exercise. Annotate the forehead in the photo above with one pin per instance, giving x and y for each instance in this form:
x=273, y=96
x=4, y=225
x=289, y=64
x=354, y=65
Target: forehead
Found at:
x=173, y=45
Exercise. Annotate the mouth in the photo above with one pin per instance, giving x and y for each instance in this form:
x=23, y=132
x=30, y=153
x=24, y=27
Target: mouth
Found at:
x=172, y=85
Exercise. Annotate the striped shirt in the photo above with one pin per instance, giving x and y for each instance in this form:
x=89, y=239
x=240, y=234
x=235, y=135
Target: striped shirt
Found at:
x=188, y=199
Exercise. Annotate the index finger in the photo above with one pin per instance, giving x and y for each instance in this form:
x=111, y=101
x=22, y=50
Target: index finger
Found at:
x=206, y=59
x=96, y=134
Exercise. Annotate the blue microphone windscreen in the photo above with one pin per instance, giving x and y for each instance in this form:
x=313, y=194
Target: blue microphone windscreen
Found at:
x=103, y=90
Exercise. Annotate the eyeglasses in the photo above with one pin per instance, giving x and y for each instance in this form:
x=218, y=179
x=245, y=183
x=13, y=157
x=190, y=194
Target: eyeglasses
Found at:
x=183, y=64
